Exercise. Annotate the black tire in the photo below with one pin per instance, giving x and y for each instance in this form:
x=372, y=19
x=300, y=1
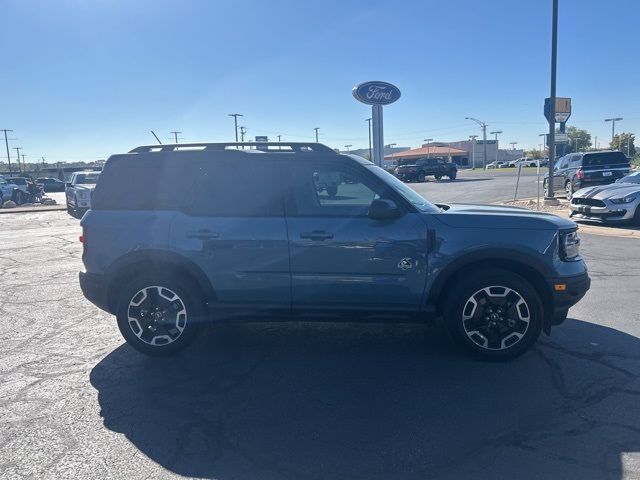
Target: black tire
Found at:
x=422, y=178
x=438, y=177
x=568, y=188
x=19, y=197
x=453, y=175
x=545, y=188
x=332, y=190
x=636, y=216
x=499, y=326
x=187, y=306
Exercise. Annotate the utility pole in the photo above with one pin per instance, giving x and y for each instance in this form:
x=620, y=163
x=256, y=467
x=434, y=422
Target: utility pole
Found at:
x=175, y=134
x=23, y=167
x=496, y=134
x=43, y=164
x=595, y=143
x=368, y=120
x=6, y=144
x=235, y=122
x=243, y=130
x=428, y=140
x=17, y=149
x=613, y=128
x=316, y=129
x=279, y=138
x=348, y=147
x=473, y=151
x=484, y=138
x=552, y=114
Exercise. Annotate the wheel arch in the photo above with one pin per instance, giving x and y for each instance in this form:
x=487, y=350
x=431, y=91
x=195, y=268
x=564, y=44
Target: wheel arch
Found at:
x=140, y=262
x=529, y=268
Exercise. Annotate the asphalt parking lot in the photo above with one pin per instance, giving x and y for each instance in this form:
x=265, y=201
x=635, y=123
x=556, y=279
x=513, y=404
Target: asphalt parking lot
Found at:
x=309, y=401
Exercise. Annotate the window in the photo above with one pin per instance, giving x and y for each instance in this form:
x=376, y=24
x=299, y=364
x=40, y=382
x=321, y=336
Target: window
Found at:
x=604, y=158
x=575, y=160
x=333, y=190
x=87, y=178
x=563, y=163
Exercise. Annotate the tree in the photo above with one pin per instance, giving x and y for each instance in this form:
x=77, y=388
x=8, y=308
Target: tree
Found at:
x=580, y=140
x=533, y=153
x=625, y=143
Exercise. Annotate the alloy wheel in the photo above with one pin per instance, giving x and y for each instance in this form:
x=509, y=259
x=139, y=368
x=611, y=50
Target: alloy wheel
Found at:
x=496, y=317
x=157, y=315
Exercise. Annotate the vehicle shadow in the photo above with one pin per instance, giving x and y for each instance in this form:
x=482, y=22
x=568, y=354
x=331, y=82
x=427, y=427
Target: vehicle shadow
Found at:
x=347, y=401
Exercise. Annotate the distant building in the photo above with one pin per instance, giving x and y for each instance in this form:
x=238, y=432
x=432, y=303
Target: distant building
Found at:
x=432, y=150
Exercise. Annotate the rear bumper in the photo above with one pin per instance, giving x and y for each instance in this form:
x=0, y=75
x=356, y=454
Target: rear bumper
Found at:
x=575, y=287
x=94, y=289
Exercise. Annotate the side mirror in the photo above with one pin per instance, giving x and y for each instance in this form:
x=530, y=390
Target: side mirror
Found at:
x=67, y=184
x=381, y=209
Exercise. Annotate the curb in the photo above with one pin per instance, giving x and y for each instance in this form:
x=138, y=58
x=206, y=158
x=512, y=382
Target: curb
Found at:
x=46, y=208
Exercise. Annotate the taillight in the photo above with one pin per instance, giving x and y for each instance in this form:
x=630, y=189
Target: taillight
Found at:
x=580, y=174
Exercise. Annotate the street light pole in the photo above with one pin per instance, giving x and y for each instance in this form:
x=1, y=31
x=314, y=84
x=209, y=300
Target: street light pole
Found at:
x=473, y=151
x=316, y=129
x=428, y=140
x=368, y=120
x=544, y=141
x=235, y=122
x=496, y=134
x=6, y=144
x=613, y=128
x=513, y=145
x=552, y=112
x=484, y=137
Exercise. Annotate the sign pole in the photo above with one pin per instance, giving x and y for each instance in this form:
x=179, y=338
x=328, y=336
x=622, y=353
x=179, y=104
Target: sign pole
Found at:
x=378, y=134
x=552, y=113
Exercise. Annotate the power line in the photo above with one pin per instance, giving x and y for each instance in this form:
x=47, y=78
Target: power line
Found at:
x=6, y=143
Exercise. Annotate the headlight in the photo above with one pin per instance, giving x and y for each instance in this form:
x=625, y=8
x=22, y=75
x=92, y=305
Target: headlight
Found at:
x=627, y=199
x=569, y=246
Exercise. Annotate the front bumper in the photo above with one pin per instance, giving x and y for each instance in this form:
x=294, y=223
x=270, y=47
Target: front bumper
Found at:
x=567, y=291
x=604, y=214
x=94, y=289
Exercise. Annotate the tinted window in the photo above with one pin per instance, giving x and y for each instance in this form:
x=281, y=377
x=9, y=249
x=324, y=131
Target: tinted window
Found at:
x=575, y=160
x=87, y=178
x=237, y=187
x=563, y=162
x=604, y=158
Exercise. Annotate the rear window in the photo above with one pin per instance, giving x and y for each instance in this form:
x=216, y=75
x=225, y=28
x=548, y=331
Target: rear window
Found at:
x=604, y=158
x=87, y=178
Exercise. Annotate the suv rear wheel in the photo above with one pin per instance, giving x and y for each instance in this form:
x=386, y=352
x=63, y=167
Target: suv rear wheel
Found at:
x=159, y=314
x=568, y=188
x=453, y=175
x=421, y=177
x=494, y=314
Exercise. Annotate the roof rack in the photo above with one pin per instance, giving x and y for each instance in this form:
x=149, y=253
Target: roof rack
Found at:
x=263, y=147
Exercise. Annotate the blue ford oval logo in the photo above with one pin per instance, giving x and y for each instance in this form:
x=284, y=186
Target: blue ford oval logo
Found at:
x=376, y=93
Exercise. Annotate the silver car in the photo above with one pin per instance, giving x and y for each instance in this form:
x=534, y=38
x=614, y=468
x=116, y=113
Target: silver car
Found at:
x=613, y=203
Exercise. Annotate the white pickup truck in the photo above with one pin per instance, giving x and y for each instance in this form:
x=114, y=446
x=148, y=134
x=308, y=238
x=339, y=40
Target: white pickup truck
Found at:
x=78, y=192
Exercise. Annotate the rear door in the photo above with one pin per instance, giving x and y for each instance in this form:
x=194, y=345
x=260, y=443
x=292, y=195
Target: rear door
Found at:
x=233, y=228
x=559, y=174
x=341, y=258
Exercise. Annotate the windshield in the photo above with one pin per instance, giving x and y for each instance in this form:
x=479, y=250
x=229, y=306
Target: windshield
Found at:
x=632, y=178
x=407, y=193
x=87, y=178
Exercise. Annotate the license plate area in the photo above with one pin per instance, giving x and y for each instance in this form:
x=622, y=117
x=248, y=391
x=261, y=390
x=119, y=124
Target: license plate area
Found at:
x=606, y=174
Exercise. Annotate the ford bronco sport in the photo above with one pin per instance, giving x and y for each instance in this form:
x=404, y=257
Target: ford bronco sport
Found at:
x=178, y=235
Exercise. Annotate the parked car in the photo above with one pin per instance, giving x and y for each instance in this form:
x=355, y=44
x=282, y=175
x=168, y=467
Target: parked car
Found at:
x=7, y=191
x=78, y=192
x=525, y=162
x=494, y=164
x=51, y=184
x=579, y=170
x=21, y=184
x=615, y=203
x=418, y=170
x=220, y=232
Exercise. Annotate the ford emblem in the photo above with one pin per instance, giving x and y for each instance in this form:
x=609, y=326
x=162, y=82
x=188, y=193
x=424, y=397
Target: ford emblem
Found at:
x=376, y=93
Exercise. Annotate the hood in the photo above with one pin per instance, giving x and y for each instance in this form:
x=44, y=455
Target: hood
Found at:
x=498, y=216
x=603, y=192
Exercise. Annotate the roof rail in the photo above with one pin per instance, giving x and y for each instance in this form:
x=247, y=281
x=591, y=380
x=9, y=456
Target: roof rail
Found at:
x=267, y=147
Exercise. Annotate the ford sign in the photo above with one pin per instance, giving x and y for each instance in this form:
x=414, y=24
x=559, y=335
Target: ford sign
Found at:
x=376, y=93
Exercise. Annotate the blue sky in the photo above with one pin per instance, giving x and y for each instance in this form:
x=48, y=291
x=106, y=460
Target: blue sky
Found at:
x=82, y=79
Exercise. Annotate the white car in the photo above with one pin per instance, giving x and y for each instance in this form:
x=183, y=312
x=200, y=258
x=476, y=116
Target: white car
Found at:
x=494, y=165
x=78, y=192
x=7, y=191
x=525, y=162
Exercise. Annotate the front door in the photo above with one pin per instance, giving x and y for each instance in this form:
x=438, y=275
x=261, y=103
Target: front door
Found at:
x=341, y=258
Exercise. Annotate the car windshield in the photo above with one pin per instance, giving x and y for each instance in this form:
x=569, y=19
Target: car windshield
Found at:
x=18, y=181
x=603, y=158
x=632, y=178
x=87, y=178
x=407, y=193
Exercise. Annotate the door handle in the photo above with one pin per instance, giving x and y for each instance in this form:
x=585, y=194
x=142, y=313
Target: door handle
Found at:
x=316, y=235
x=203, y=234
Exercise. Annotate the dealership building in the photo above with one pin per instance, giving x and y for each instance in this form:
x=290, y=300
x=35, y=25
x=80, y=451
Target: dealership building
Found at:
x=460, y=153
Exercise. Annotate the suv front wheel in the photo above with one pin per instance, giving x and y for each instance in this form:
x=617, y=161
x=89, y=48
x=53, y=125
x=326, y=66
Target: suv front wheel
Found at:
x=159, y=314
x=494, y=314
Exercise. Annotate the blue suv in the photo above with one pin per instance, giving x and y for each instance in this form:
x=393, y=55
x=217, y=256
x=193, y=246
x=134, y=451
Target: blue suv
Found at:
x=181, y=235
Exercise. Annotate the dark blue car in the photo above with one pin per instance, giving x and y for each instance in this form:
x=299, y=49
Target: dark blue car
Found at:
x=177, y=237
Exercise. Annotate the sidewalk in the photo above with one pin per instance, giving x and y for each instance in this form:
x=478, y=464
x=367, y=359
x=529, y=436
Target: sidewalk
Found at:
x=41, y=208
